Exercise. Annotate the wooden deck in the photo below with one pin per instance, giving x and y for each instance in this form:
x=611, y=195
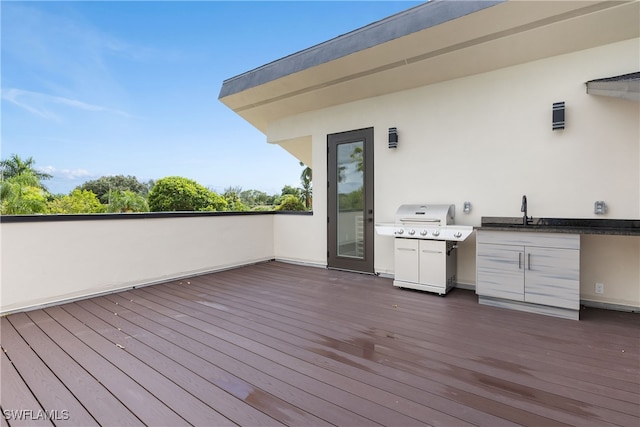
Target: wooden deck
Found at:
x=275, y=344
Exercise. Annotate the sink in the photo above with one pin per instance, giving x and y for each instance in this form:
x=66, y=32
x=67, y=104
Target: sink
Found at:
x=517, y=222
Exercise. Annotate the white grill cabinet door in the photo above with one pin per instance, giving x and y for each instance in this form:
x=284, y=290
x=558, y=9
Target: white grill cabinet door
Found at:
x=500, y=270
x=406, y=260
x=433, y=263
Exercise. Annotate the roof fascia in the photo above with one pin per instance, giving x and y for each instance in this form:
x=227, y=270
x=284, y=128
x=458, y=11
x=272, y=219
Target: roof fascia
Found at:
x=626, y=86
x=416, y=19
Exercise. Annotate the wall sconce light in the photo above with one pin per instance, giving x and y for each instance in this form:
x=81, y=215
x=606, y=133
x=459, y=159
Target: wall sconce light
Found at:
x=557, y=119
x=466, y=208
x=393, y=138
x=600, y=207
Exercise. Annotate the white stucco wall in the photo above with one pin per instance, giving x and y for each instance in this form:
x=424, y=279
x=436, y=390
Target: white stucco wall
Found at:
x=47, y=262
x=296, y=237
x=487, y=139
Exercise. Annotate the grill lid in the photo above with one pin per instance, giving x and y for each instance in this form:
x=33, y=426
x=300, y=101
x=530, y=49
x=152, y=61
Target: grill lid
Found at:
x=425, y=221
x=436, y=214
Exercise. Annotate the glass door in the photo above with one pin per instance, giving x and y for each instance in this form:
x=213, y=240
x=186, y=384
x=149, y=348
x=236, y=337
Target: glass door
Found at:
x=350, y=200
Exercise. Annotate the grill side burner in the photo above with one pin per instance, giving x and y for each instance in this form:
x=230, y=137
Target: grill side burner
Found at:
x=425, y=246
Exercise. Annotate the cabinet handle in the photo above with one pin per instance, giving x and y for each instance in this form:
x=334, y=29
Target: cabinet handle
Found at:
x=519, y=260
x=406, y=249
x=529, y=261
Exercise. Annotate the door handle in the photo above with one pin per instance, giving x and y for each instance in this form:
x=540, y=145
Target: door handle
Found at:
x=519, y=260
x=529, y=261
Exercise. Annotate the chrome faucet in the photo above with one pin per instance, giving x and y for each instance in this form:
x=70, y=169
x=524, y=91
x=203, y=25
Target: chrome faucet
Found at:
x=525, y=219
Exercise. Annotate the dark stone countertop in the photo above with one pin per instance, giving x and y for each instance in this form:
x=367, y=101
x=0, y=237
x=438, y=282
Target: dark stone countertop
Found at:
x=621, y=227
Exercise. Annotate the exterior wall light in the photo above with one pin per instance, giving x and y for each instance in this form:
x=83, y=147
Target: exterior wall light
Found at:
x=466, y=208
x=600, y=207
x=557, y=118
x=393, y=138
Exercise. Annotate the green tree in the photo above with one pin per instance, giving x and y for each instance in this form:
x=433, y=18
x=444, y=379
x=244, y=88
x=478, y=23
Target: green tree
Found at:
x=257, y=199
x=175, y=193
x=77, y=202
x=357, y=155
x=234, y=202
x=307, y=192
x=148, y=186
x=288, y=189
x=263, y=208
x=101, y=186
x=22, y=194
x=351, y=201
x=126, y=201
x=15, y=166
x=290, y=202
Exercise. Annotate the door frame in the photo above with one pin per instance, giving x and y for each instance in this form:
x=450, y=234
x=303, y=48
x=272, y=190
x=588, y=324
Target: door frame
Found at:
x=334, y=260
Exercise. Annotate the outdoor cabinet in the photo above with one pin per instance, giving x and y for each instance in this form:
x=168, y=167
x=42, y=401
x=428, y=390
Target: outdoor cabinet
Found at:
x=533, y=269
x=426, y=265
x=406, y=260
x=500, y=272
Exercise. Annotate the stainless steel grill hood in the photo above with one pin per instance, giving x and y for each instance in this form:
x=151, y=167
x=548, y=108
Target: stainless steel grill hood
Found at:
x=425, y=221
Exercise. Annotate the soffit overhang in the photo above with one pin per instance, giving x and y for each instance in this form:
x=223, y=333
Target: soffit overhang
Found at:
x=431, y=43
x=626, y=86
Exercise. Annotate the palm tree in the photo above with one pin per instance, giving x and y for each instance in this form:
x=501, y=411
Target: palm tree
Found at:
x=22, y=194
x=126, y=201
x=15, y=166
x=307, y=191
x=357, y=156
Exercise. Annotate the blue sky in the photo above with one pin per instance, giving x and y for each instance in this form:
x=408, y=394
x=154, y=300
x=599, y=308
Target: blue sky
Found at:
x=106, y=88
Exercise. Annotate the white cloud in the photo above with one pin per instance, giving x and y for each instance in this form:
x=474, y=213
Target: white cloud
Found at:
x=43, y=105
x=70, y=174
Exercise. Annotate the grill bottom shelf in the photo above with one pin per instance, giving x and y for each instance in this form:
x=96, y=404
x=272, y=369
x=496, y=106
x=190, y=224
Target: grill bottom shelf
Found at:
x=437, y=289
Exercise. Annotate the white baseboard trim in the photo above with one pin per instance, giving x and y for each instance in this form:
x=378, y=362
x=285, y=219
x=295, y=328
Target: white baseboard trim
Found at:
x=128, y=286
x=302, y=263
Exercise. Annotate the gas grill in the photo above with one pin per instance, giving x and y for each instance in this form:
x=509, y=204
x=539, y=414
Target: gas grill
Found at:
x=425, y=246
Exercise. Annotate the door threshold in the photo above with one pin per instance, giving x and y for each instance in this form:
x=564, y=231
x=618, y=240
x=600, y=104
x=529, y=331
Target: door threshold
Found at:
x=353, y=271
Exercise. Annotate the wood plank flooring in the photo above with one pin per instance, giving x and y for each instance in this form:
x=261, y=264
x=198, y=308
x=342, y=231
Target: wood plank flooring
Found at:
x=281, y=344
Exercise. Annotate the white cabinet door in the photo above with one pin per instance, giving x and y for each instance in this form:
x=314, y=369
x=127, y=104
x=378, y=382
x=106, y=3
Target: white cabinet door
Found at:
x=433, y=267
x=500, y=270
x=552, y=277
x=406, y=262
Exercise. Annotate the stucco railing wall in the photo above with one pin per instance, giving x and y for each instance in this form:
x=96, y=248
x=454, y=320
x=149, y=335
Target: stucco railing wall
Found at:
x=298, y=239
x=52, y=259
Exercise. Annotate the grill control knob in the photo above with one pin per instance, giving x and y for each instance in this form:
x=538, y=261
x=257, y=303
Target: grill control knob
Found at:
x=412, y=232
x=457, y=235
x=400, y=231
x=423, y=233
x=436, y=233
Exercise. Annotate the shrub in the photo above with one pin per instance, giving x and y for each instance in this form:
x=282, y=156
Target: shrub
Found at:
x=289, y=202
x=78, y=201
x=176, y=193
x=126, y=201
